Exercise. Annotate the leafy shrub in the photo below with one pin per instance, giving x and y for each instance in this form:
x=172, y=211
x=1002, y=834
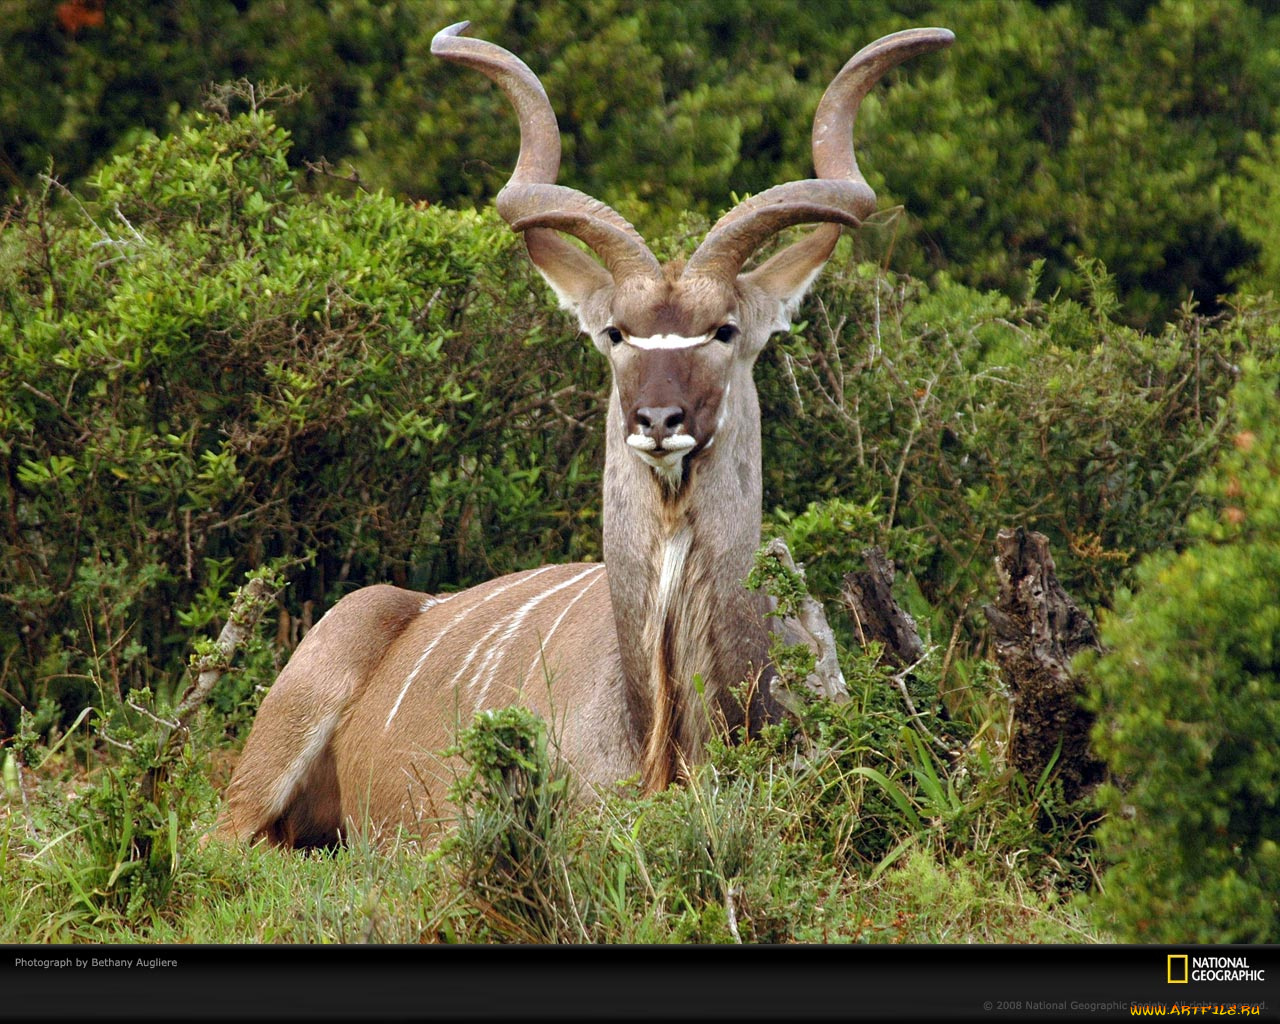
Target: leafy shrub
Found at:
x=73, y=91
x=203, y=369
x=121, y=841
x=928, y=418
x=1053, y=134
x=1051, y=130
x=509, y=850
x=131, y=821
x=1189, y=706
x=1253, y=205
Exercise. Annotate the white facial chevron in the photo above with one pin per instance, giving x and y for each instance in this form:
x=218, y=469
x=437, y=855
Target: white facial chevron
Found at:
x=668, y=341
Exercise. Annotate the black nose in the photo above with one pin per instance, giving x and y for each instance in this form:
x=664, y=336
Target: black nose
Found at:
x=659, y=423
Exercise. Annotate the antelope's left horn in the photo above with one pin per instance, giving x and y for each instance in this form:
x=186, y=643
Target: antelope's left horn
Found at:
x=839, y=194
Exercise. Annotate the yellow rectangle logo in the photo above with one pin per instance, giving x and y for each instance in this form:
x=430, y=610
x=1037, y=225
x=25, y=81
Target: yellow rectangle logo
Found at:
x=1180, y=959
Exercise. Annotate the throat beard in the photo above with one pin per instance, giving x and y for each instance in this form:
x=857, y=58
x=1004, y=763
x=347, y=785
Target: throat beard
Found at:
x=668, y=463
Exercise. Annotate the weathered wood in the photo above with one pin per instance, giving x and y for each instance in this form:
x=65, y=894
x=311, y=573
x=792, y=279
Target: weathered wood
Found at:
x=1037, y=630
x=877, y=616
x=809, y=625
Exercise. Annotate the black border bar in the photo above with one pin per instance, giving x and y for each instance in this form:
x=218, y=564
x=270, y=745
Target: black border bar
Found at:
x=624, y=983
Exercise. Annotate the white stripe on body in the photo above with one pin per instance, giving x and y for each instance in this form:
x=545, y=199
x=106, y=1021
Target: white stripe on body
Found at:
x=513, y=627
x=431, y=600
x=542, y=646
x=318, y=734
x=442, y=633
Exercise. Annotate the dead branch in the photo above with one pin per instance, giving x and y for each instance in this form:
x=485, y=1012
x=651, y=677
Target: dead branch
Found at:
x=811, y=626
x=1037, y=630
x=247, y=608
x=868, y=595
x=878, y=617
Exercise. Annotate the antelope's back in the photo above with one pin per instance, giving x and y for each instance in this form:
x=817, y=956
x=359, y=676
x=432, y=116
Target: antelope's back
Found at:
x=544, y=639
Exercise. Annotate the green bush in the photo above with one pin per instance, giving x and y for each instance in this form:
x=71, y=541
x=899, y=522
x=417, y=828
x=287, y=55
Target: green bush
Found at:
x=510, y=850
x=1051, y=131
x=75, y=91
x=925, y=419
x=1188, y=699
x=1253, y=205
x=203, y=370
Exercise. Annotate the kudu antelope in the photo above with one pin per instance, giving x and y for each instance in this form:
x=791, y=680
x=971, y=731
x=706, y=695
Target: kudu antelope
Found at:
x=608, y=654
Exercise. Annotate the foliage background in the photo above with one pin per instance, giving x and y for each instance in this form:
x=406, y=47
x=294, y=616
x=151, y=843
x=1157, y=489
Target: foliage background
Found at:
x=241, y=326
x=1057, y=129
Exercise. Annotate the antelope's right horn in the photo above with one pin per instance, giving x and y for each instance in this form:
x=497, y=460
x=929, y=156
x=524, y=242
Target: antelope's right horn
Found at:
x=531, y=199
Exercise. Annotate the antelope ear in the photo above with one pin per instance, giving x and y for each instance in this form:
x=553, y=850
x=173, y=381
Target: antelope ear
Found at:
x=572, y=274
x=787, y=275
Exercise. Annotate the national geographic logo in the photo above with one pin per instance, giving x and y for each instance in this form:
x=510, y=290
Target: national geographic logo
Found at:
x=1184, y=968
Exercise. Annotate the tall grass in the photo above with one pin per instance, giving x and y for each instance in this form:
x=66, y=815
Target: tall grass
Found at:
x=850, y=822
x=761, y=844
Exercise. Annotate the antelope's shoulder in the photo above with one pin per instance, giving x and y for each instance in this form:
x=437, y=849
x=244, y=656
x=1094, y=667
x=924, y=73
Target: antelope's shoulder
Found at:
x=363, y=622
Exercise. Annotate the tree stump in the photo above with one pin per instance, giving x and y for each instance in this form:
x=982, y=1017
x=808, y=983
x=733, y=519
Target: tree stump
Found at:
x=1037, y=630
x=869, y=597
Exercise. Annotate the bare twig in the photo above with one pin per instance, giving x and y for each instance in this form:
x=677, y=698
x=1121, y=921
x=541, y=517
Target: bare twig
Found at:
x=731, y=911
x=917, y=719
x=322, y=168
x=62, y=411
x=250, y=602
x=164, y=722
x=115, y=742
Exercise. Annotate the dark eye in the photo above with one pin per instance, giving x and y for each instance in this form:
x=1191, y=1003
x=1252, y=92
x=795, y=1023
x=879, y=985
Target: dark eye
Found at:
x=726, y=333
x=614, y=335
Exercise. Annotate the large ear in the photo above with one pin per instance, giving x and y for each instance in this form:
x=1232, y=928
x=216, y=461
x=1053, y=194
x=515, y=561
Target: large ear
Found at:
x=572, y=274
x=786, y=276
